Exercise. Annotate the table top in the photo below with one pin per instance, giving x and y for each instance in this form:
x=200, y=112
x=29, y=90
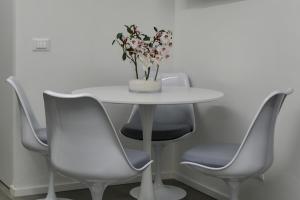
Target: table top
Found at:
x=168, y=95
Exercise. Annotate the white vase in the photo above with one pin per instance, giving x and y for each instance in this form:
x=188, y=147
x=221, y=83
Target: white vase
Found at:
x=144, y=86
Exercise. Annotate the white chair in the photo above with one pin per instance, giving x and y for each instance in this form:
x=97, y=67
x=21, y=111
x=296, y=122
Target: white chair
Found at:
x=84, y=144
x=33, y=136
x=235, y=163
x=171, y=123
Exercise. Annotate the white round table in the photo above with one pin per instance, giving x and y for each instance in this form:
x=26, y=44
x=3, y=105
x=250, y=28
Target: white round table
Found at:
x=147, y=103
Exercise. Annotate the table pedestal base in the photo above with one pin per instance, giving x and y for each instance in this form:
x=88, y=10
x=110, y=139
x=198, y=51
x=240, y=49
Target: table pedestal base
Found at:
x=162, y=192
x=146, y=114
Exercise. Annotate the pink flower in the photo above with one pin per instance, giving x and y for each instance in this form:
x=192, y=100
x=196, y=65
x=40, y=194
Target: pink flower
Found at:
x=166, y=37
x=135, y=43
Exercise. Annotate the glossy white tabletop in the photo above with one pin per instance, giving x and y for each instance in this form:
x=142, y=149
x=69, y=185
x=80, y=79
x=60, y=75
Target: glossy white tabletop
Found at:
x=169, y=95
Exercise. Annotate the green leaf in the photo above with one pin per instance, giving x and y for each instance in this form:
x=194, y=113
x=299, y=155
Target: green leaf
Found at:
x=119, y=36
x=129, y=29
x=124, y=56
x=113, y=42
x=155, y=29
x=146, y=38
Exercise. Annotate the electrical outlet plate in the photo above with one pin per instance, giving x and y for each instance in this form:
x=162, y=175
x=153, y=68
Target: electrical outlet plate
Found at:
x=41, y=44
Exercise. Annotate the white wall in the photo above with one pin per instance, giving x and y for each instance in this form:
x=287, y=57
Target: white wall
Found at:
x=246, y=49
x=81, y=55
x=6, y=105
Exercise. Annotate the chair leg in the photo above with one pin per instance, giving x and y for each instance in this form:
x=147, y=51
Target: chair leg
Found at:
x=51, y=191
x=157, y=152
x=234, y=187
x=97, y=190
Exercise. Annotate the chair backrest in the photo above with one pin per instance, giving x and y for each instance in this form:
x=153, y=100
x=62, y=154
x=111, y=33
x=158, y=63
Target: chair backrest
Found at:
x=171, y=113
x=29, y=123
x=82, y=139
x=256, y=152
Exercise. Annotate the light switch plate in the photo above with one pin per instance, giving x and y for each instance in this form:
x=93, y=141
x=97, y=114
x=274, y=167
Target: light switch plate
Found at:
x=41, y=44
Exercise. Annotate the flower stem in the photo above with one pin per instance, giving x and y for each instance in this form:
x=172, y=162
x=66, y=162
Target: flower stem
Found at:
x=157, y=68
x=134, y=60
x=136, y=69
x=148, y=73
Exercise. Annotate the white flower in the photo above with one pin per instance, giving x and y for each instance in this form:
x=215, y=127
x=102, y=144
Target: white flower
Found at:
x=134, y=43
x=163, y=50
x=166, y=38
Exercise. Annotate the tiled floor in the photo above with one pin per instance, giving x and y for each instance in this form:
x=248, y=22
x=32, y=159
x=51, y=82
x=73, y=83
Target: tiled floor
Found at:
x=118, y=192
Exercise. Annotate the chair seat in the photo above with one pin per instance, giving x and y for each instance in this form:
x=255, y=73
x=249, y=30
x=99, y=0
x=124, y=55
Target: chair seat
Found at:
x=137, y=158
x=211, y=155
x=160, y=131
x=42, y=135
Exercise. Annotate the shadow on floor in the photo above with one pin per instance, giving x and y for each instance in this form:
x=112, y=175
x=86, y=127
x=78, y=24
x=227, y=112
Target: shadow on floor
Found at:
x=121, y=192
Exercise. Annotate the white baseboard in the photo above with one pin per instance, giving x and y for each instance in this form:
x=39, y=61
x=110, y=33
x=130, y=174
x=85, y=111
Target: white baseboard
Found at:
x=5, y=190
x=42, y=189
x=200, y=187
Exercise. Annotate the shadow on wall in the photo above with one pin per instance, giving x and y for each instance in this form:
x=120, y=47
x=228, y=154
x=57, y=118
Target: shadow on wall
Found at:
x=222, y=124
x=290, y=145
x=191, y=4
x=216, y=124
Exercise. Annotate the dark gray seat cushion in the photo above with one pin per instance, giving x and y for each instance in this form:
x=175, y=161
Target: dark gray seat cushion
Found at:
x=137, y=158
x=212, y=155
x=42, y=135
x=160, y=131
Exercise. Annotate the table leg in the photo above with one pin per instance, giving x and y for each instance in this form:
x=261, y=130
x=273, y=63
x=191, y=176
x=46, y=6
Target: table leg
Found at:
x=146, y=114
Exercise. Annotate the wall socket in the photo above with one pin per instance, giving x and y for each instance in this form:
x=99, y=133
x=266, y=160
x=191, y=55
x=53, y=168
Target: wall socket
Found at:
x=41, y=44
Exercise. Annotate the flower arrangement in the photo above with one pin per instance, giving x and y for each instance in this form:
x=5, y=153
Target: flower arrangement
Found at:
x=150, y=51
